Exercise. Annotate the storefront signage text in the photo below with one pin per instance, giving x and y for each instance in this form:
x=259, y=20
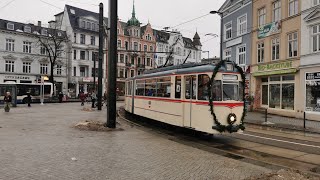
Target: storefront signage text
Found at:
x=283, y=65
x=269, y=29
x=16, y=77
x=313, y=76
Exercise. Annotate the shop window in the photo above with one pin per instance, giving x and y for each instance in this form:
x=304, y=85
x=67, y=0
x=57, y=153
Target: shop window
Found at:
x=216, y=91
x=178, y=87
x=164, y=87
x=276, y=78
x=288, y=96
x=274, y=94
x=264, y=79
x=203, y=89
x=313, y=92
x=288, y=78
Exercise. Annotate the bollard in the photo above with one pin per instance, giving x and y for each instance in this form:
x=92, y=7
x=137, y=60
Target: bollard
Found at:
x=304, y=120
x=266, y=115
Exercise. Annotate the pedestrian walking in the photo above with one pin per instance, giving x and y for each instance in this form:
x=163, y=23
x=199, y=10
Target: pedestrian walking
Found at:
x=29, y=99
x=60, y=97
x=93, y=99
x=82, y=97
x=7, y=100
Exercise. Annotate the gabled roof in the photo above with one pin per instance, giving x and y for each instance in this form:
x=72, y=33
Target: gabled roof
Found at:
x=188, y=43
x=20, y=27
x=313, y=15
x=227, y=4
x=161, y=36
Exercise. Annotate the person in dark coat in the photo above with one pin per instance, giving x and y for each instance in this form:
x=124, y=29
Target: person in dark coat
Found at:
x=93, y=99
x=29, y=99
x=60, y=97
x=82, y=97
x=7, y=100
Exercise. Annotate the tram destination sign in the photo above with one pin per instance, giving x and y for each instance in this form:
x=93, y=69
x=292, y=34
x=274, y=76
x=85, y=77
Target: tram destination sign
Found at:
x=313, y=76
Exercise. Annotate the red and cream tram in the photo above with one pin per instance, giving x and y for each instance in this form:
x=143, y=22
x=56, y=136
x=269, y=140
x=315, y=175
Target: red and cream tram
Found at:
x=206, y=98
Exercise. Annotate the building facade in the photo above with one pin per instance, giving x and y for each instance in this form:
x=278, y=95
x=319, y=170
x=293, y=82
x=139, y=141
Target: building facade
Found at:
x=82, y=28
x=236, y=25
x=177, y=48
x=276, y=56
x=309, y=63
x=24, y=60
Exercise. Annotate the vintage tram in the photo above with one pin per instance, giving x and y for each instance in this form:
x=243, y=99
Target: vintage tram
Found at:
x=207, y=98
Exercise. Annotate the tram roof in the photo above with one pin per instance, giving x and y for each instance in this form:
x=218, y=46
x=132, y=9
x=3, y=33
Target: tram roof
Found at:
x=180, y=69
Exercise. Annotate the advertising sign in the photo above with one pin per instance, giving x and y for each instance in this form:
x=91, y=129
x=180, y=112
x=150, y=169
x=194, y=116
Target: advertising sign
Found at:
x=269, y=29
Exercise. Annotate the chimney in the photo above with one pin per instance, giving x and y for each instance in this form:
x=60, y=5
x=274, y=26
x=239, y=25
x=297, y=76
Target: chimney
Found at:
x=39, y=23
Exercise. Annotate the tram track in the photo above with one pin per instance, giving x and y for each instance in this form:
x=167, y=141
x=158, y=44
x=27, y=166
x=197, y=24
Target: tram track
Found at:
x=228, y=145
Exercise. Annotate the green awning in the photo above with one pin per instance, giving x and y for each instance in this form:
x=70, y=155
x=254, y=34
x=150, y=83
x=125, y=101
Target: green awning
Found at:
x=281, y=71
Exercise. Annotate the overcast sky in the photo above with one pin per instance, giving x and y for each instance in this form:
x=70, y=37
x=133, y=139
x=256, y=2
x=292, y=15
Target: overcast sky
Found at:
x=160, y=13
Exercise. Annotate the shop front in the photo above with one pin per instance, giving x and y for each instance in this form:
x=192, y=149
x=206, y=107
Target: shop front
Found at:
x=276, y=87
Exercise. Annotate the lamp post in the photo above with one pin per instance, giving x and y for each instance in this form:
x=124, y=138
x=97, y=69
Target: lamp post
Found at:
x=221, y=29
x=207, y=52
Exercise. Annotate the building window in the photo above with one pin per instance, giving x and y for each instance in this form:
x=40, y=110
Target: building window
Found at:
x=260, y=52
x=10, y=26
x=228, y=31
x=151, y=49
x=43, y=50
x=121, y=58
x=26, y=47
x=59, y=69
x=316, y=2
x=74, y=71
x=293, y=44
x=9, y=45
x=88, y=25
x=94, y=27
x=43, y=68
x=261, y=16
x=93, y=40
x=74, y=54
x=44, y=32
x=82, y=39
x=95, y=56
x=276, y=12
x=119, y=43
x=242, y=25
x=75, y=37
x=94, y=72
x=83, y=24
x=241, y=55
x=9, y=66
x=135, y=46
x=148, y=62
x=275, y=49
x=132, y=73
x=82, y=71
x=145, y=48
x=160, y=62
x=27, y=29
x=127, y=45
x=26, y=67
x=227, y=54
x=316, y=38
x=293, y=7
x=313, y=92
x=82, y=55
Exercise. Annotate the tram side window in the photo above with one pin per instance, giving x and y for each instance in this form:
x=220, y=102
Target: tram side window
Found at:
x=191, y=87
x=150, y=87
x=140, y=84
x=203, y=89
x=216, y=91
x=129, y=88
x=178, y=87
x=164, y=87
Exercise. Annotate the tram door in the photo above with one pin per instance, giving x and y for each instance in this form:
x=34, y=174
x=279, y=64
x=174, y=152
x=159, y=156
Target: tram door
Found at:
x=190, y=94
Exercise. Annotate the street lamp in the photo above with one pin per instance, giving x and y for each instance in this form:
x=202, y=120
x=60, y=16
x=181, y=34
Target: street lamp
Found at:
x=221, y=29
x=207, y=52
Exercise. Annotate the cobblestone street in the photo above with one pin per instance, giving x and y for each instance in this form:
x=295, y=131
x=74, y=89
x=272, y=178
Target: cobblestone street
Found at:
x=39, y=143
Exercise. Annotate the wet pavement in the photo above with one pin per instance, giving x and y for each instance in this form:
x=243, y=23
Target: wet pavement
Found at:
x=41, y=143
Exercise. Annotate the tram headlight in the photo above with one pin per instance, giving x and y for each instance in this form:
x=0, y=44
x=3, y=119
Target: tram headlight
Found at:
x=232, y=118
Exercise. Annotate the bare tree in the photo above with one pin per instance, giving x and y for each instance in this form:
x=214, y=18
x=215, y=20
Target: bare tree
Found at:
x=53, y=44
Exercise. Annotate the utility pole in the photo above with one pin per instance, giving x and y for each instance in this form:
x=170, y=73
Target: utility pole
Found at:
x=112, y=63
x=101, y=39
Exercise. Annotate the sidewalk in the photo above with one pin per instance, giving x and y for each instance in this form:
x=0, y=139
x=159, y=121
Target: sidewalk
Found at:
x=258, y=118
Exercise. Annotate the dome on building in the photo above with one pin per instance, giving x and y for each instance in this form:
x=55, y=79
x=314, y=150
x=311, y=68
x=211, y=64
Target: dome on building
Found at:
x=133, y=21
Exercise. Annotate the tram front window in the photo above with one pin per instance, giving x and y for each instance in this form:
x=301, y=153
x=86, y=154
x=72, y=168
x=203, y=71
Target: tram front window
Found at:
x=230, y=92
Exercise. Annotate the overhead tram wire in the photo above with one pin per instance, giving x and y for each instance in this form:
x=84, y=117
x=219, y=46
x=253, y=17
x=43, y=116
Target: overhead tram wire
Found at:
x=7, y=4
x=51, y=4
x=190, y=20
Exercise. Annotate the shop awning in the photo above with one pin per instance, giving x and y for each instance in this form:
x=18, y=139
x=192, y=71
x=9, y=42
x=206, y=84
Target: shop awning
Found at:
x=281, y=71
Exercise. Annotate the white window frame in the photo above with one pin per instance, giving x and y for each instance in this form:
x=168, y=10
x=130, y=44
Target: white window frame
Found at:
x=59, y=69
x=295, y=6
x=227, y=54
x=26, y=47
x=27, y=29
x=10, y=45
x=43, y=68
x=295, y=43
x=260, y=51
x=315, y=35
x=241, y=30
x=26, y=67
x=276, y=10
x=10, y=26
x=226, y=30
x=9, y=66
x=44, y=32
x=275, y=42
x=261, y=16
x=241, y=53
